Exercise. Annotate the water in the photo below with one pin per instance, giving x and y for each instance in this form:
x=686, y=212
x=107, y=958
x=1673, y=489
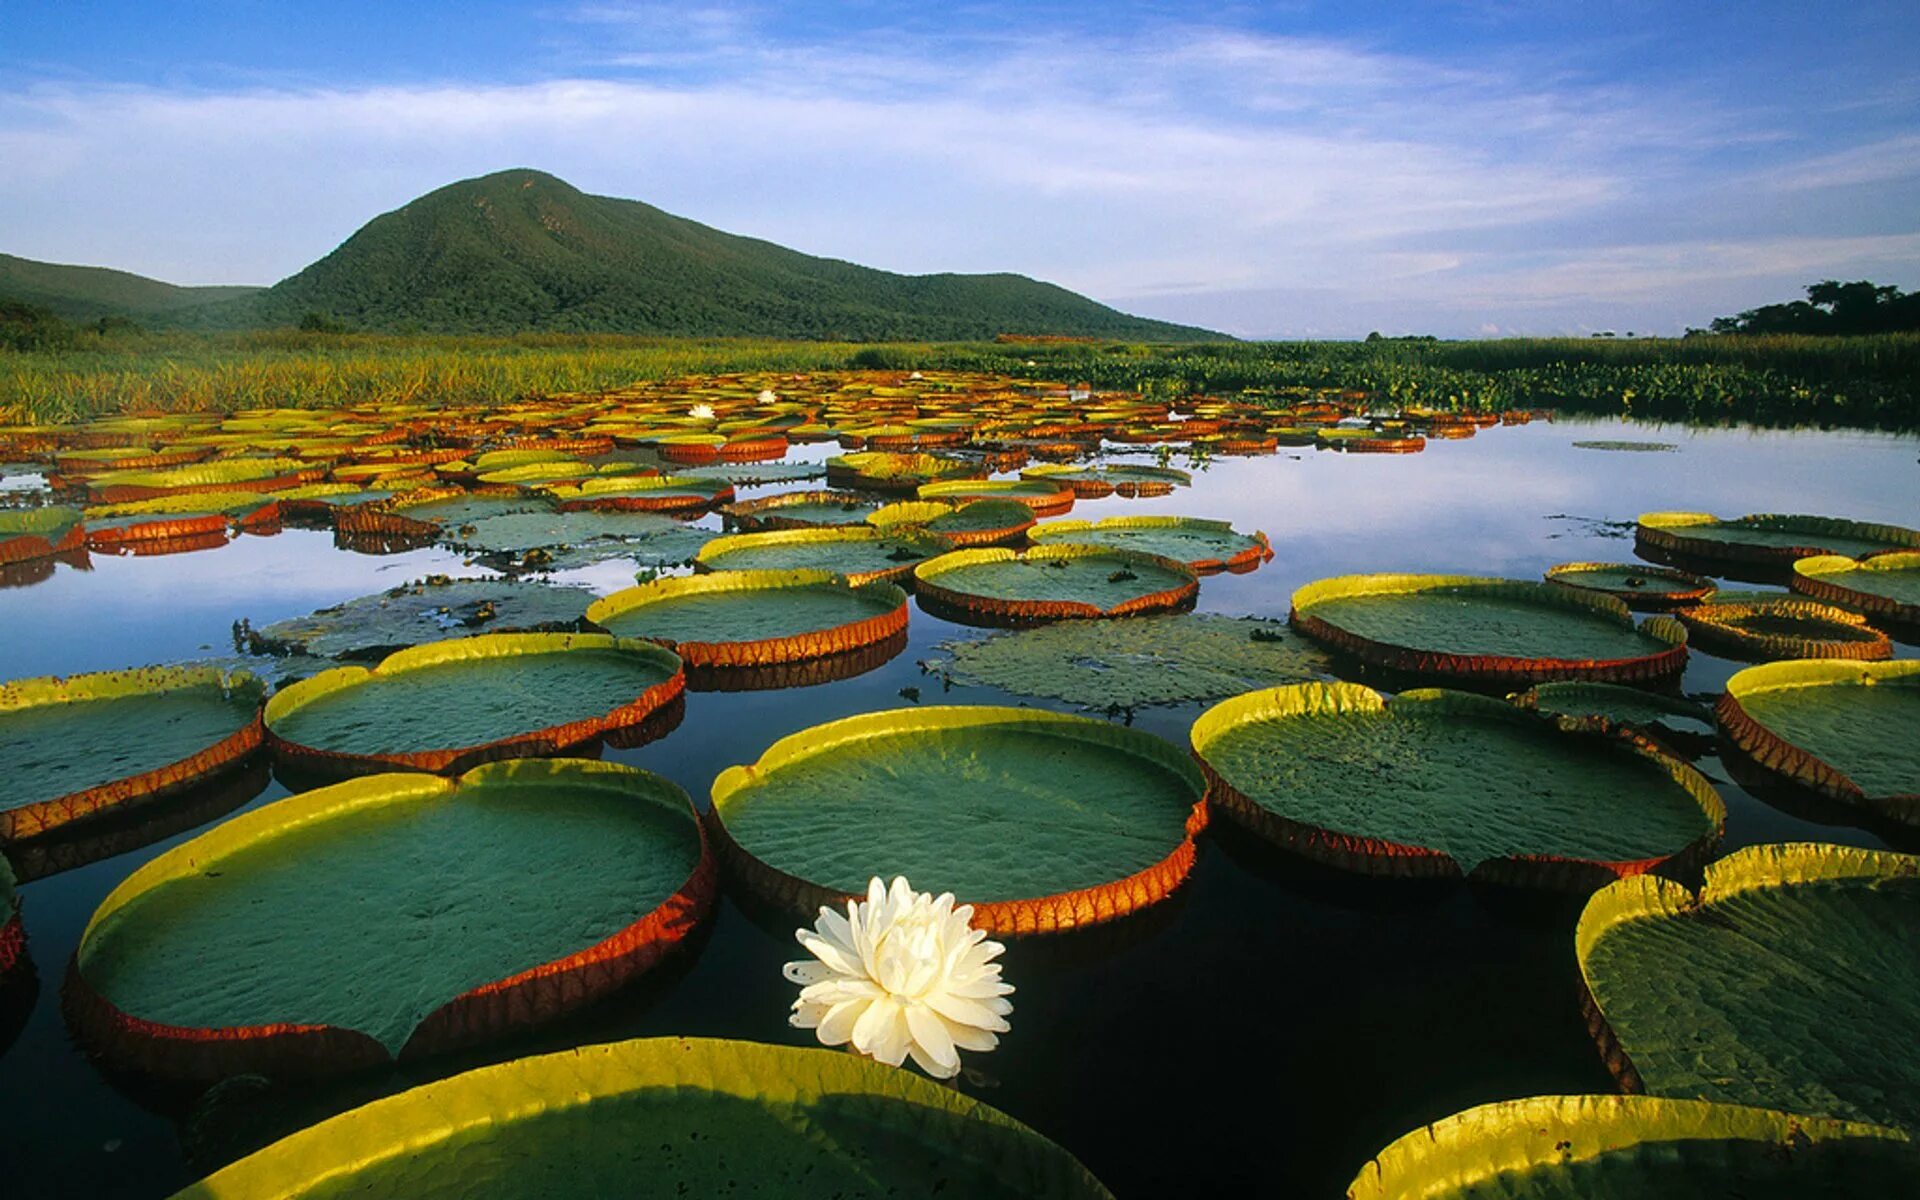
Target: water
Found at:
x=1272, y=1025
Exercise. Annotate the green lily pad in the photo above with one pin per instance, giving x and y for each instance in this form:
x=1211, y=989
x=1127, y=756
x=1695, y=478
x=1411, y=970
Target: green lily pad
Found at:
x=430, y=610
x=1628, y=447
x=37, y=532
x=1039, y=820
x=754, y=618
x=1783, y=628
x=1039, y=494
x=77, y=745
x=1137, y=661
x=1441, y=783
x=1127, y=479
x=454, y=513
x=859, y=552
x=1844, y=729
x=1637, y=1148
x=1634, y=584
x=1052, y=582
x=1201, y=544
x=1769, y=537
x=371, y=905
x=1492, y=629
x=455, y=703
x=800, y=510
x=1612, y=704
x=665, y=1117
x=1791, y=981
x=1885, y=586
x=963, y=522
x=747, y=474
x=555, y=541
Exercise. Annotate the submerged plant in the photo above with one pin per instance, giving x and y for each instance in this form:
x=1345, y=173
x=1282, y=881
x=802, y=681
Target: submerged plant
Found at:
x=902, y=974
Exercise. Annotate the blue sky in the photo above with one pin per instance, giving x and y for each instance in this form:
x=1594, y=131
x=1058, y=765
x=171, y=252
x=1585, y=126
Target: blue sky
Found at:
x=1465, y=169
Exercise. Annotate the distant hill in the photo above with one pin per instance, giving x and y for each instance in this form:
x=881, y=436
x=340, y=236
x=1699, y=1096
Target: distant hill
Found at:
x=89, y=293
x=521, y=250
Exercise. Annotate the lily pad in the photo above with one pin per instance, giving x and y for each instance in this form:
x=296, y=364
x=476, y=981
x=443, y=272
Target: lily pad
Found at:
x=1050, y=583
x=82, y=745
x=1885, y=587
x=392, y=916
x=1045, y=497
x=755, y=618
x=1487, y=630
x=32, y=533
x=747, y=474
x=1770, y=629
x=861, y=553
x=979, y=523
x=1137, y=661
x=1041, y=821
x=13, y=934
x=1091, y=483
x=1843, y=729
x=1201, y=544
x=800, y=510
x=1636, y=585
x=1791, y=981
x=1606, y=705
x=687, y=494
x=1628, y=447
x=452, y=705
x=1767, y=538
x=882, y=471
x=1637, y=1148
x=555, y=541
x=431, y=610
x=1440, y=783
x=665, y=1117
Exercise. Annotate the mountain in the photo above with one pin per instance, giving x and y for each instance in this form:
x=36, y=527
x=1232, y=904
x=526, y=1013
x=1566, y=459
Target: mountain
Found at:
x=89, y=293
x=521, y=250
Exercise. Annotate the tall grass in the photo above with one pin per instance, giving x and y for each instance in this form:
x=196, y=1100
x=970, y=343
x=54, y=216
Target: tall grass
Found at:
x=1870, y=382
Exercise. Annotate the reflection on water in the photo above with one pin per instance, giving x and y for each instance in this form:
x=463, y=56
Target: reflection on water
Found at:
x=1274, y=1018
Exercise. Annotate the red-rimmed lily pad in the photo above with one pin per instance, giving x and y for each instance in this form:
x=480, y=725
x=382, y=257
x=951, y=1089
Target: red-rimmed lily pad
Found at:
x=429, y=610
x=1051, y=583
x=1443, y=784
x=800, y=510
x=754, y=619
x=393, y=916
x=1047, y=498
x=1792, y=980
x=1042, y=821
x=666, y=1117
x=545, y=540
x=1767, y=539
x=1636, y=585
x=27, y=534
x=861, y=553
x=83, y=745
x=1091, y=483
x=882, y=471
x=1842, y=729
x=1202, y=544
x=1886, y=587
x=447, y=706
x=1487, y=630
x=1669, y=720
x=1784, y=628
x=644, y=493
x=979, y=523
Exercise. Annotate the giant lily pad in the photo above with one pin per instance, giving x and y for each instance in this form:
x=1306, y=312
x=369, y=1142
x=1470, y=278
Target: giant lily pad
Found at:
x=1637, y=1148
x=431, y=610
x=1439, y=783
x=1487, y=630
x=1767, y=538
x=1667, y=719
x=34, y=533
x=552, y=541
x=85, y=744
x=1091, y=483
x=1041, y=821
x=1201, y=544
x=1137, y=661
x=1634, y=584
x=1792, y=981
x=978, y=523
x=882, y=471
x=748, y=474
x=450, y=705
x=861, y=552
x=1046, y=498
x=1782, y=628
x=1885, y=587
x=755, y=618
x=1051, y=583
x=392, y=916
x=685, y=494
x=1843, y=729
x=800, y=510
x=13, y=935
x=665, y=1117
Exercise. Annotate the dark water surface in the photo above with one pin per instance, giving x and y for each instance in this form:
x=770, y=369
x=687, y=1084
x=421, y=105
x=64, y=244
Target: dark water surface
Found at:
x=1270, y=1027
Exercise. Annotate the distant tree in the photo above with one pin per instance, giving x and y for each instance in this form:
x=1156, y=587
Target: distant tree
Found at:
x=26, y=326
x=1831, y=308
x=314, y=322
x=1374, y=336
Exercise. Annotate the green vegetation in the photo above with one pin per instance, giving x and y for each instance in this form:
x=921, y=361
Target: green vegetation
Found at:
x=1831, y=308
x=90, y=294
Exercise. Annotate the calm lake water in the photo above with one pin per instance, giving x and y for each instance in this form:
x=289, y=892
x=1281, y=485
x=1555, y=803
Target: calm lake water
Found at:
x=1270, y=1026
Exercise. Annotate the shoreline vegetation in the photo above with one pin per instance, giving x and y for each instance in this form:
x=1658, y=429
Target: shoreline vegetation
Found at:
x=1867, y=382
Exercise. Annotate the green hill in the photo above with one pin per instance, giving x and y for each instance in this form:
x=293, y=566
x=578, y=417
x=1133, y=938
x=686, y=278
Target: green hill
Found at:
x=521, y=250
x=89, y=293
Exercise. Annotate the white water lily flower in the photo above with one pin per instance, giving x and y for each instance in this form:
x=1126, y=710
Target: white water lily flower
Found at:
x=902, y=974
x=702, y=411
x=766, y=396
